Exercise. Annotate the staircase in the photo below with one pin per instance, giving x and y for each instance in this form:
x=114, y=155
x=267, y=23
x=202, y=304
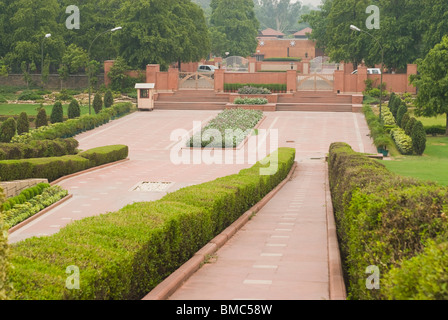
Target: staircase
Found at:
x=322, y=101
x=191, y=100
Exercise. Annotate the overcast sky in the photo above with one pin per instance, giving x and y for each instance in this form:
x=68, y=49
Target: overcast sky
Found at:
x=312, y=2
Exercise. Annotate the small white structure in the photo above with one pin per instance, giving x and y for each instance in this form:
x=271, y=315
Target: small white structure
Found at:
x=145, y=96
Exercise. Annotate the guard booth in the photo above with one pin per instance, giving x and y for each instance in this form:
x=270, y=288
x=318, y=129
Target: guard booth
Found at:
x=145, y=96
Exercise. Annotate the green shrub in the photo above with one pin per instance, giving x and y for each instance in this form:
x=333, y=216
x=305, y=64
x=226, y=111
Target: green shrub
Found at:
x=401, y=111
x=29, y=95
x=24, y=196
x=72, y=127
x=38, y=149
x=8, y=130
x=57, y=113
x=409, y=126
x=382, y=219
x=380, y=138
x=249, y=101
x=107, y=154
x=405, y=119
x=418, y=136
x=56, y=167
x=387, y=116
x=402, y=140
x=273, y=87
x=125, y=254
x=98, y=103
x=41, y=119
x=4, y=254
x=253, y=90
x=74, y=110
x=108, y=99
x=23, y=124
x=435, y=130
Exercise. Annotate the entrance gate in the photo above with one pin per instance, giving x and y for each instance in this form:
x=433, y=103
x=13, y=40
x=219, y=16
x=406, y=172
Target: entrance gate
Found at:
x=321, y=77
x=196, y=80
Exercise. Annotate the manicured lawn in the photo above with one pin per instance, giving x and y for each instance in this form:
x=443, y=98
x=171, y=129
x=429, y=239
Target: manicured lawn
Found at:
x=31, y=109
x=433, y=165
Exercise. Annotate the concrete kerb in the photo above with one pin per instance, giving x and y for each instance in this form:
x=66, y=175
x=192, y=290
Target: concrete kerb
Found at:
x=173, y=282
x=336, y=277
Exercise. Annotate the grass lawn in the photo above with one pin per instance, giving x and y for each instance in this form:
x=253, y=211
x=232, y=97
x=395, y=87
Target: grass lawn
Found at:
x=31, y=109
x=433, y=165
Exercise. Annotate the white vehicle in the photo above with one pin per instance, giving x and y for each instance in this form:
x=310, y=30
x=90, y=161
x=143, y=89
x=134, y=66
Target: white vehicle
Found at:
x=370, y=71
x=210, y=69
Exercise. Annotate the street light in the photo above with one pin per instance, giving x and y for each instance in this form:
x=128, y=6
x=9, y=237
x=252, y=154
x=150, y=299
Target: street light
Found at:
x=355, y=28
x=88, y=73
x=48, y=35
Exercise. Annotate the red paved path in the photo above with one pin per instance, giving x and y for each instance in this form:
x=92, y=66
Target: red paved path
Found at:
x=280, y=254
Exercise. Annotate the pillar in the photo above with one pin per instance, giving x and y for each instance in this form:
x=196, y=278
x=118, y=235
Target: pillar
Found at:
x=291, y=80
x=219, y=80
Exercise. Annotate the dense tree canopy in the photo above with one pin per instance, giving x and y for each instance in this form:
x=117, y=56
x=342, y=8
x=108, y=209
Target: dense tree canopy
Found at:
x=408, y=30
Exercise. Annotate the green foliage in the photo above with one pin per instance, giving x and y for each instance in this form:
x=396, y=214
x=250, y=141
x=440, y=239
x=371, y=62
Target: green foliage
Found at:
x=57, y=113
x=38, y=149
x=401, y=111
x=256, y=101
x=29, y=95
x=236, y=22
x=227, y=130
x=41, y=118
x=409, y=125
x=4, y=254
x=125, y=254
x=98, y=102
x=24, y=196
x=74, y=110
x=384, y=220
x=418, y=136
x=24, y=210
x=402, y=140
x=108, y=99
x=435, y=130
x=273, y=87
x=23, y=123
x=405, y=119
x=55, y=167
x=253, y=90
x=380, y=137
x=72, y=127
x=387, y=116
x=8, y=130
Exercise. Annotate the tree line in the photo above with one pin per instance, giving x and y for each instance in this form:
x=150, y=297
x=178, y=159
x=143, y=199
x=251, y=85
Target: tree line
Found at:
x=408, y=29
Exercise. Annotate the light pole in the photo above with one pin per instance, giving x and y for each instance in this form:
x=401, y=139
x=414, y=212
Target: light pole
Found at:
x=88, y=72
x=355, y=28
x=48, y=35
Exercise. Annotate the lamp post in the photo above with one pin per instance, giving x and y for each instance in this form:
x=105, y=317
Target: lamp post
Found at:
x=88, y=72
x=355, y=28
x=48, y=35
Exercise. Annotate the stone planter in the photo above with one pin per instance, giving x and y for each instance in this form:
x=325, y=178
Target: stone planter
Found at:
x=269, y=107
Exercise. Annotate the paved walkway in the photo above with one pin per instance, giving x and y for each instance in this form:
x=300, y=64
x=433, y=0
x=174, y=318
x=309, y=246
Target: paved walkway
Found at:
x=281, y=253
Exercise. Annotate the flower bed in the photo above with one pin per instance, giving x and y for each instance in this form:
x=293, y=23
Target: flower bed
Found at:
x=251, y=101
x=23, y=211
x=233, y=126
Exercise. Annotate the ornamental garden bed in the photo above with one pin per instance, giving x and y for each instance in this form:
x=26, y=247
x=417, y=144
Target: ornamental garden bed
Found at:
x=268, y=107
x=272, y=98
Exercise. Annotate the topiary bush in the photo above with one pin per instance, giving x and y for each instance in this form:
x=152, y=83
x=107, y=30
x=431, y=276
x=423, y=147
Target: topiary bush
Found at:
x=8, y=130
x=23, y=124
x=418, y=136
x=41, y=118
x=401, y=111
x=74, y=110
x=97, y=103
x=38, y=149
x=409, y=125
x=108, y=99
x=404, y=120
x=57, y=113
x=402, y=141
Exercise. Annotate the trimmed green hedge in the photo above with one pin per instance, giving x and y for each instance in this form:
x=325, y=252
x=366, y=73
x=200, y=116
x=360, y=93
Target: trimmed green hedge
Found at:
x=24, y=196
x=125, y=254
x=38, y=149
x=273, y=87
x=72, y=127
x=4, y=254
x=56, y=167
x=385, y=220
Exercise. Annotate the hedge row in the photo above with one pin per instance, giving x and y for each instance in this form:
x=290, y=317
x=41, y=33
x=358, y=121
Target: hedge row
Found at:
x=24, y=196
x=388, y=221
x=38, y=149
x=380, y=137
x=4, y=253
x=72, y=127
x=125, y=254
x=402, y=140
x=273, y=87
x=55, y=167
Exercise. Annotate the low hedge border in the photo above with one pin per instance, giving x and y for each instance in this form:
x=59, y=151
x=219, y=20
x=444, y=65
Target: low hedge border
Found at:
x=72, y=127
x=24, y=196
x=125, y=254
x=38, y=149
x=387, y=221
x=56, y=167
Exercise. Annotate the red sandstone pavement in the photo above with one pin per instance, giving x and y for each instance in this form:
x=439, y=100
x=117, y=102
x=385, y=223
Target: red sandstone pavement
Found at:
x=282, y=253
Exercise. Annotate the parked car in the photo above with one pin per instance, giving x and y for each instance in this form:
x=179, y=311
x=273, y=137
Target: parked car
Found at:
x=370, y=71
x=207, y=69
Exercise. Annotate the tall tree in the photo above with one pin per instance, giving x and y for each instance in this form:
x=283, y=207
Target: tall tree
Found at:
x=236, y=20
x=432, y=82
x=281, y=15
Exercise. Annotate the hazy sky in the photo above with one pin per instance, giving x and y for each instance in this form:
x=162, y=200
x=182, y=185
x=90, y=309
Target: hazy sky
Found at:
x=312, y=2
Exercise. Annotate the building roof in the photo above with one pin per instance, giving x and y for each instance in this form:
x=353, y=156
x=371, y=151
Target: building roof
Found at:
x=303, y=32
x=271, y=33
